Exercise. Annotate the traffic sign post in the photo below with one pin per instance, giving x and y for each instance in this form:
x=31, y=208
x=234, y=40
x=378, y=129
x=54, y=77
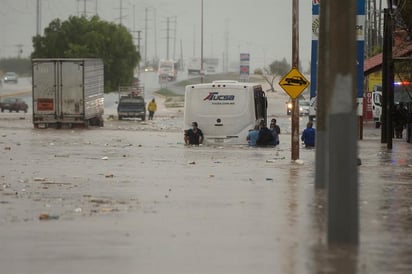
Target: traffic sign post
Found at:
x=294, y=83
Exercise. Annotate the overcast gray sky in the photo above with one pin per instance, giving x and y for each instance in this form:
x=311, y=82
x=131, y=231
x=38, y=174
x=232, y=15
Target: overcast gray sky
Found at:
x=261, y=27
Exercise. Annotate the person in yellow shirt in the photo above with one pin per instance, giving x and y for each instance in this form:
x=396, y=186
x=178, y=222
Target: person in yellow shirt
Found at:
x=151, y=107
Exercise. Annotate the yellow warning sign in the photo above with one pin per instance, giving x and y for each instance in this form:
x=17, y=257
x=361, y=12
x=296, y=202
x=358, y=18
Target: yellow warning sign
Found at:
x=294, y=83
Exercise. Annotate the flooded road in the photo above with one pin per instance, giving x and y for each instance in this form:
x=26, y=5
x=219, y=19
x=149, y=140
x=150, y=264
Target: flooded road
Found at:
x=131, y=198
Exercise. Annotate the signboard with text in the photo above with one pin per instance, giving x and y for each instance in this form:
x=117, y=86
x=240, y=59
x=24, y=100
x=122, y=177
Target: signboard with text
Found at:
x=244, y=66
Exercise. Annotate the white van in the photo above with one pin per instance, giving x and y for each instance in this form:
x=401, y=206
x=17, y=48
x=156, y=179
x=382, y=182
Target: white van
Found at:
x=225, y=110
x=377, y=104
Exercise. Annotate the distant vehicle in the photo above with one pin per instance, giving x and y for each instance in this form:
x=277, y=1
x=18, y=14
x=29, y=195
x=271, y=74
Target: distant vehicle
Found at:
x=289, y=107
x=377, y=104
x=193, y=67
x=10, y=77
x=304, y=107
x=167, y=71
x=225, y=110
x=131, y=106
x=13, y=104
x=209, y=65
x=148, y=69
x=402, y=93
x=296, y=80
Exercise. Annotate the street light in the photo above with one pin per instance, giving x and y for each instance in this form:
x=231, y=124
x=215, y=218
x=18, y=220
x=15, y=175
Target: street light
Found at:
x=201, y=43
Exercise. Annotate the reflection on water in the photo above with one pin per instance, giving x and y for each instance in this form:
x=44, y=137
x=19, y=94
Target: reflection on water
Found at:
x=385, y=184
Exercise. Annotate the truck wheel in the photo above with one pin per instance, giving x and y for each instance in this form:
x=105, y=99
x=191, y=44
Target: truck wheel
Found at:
x=120, y=117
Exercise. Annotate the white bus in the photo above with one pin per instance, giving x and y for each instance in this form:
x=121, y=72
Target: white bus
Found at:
x=225, y=110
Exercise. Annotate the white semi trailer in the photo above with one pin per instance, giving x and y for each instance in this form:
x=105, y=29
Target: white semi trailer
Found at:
x=68, y=92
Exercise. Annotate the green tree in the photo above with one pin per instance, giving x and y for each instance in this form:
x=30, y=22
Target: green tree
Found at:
x=280, y=68
x=275, y=70
x=21, y=66
x=79, y=37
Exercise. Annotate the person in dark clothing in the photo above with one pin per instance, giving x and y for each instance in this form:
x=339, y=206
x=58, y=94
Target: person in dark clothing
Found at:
x=308, y=135
x=193, y=136
x=275, y=130
x=399, y=120
x=265, y=137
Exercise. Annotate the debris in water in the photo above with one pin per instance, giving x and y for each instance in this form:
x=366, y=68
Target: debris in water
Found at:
x=299, y=162
x=45, y=216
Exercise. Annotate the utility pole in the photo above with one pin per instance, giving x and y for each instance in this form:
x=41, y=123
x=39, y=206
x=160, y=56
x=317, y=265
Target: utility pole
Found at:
x=182, y=67
x=145, y=36
x=174, y=39
x=387, y=81
x=84, y=13
x=201, y=44
x=121, y=12
x=295, y=64
x=155, y=35
x=84, y=8
x=167, y=37
x=138, y=49
x=38, y=17
x=194, y=41
x=19, y=50
x=226, y=52
x=340, y=91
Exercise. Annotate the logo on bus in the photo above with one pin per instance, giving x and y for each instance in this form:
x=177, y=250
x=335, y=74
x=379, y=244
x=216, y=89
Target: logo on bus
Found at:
x=214, y=96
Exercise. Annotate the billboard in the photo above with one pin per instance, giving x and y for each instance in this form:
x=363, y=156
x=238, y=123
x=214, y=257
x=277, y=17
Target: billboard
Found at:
x=360, y=43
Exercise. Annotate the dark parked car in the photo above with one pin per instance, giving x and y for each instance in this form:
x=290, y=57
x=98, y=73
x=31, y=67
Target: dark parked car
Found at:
x=15, y=104
x=10, y=77
x=131, y=106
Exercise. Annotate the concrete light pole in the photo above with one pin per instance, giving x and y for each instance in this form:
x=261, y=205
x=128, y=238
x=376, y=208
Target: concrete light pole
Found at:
x=340, y=92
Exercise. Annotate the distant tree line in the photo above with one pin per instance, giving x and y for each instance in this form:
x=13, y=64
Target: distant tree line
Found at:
x=20, y=66
x=80, y=37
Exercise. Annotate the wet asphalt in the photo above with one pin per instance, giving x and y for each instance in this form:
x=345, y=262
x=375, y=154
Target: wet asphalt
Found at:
x=131, y=198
